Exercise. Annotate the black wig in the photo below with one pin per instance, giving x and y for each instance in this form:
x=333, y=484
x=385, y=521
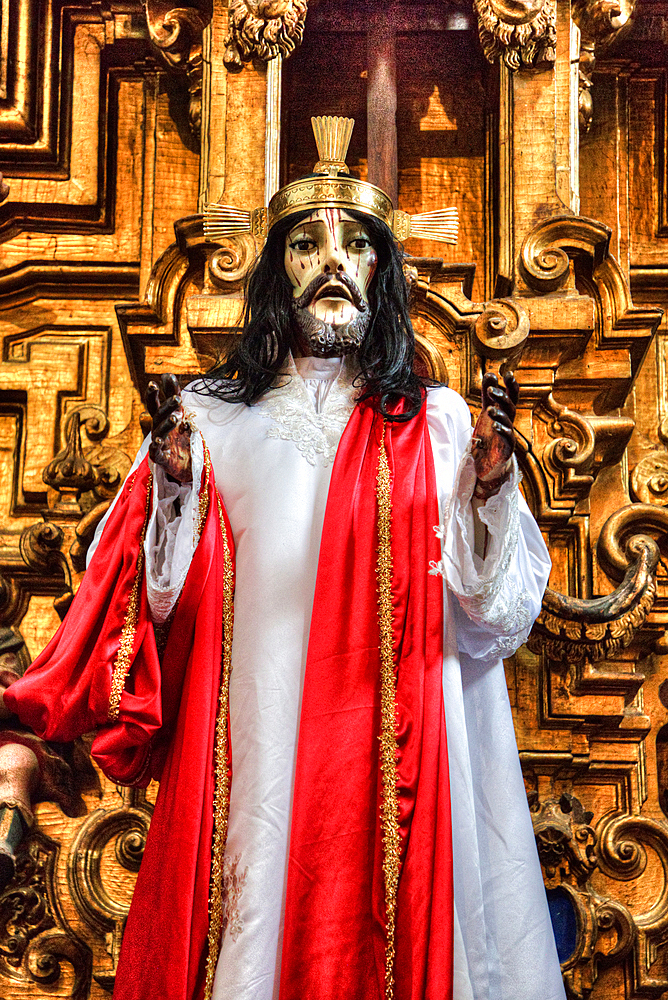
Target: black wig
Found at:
x=385, y=357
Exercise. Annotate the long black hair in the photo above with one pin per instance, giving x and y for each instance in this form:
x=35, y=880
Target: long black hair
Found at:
x=385, y=358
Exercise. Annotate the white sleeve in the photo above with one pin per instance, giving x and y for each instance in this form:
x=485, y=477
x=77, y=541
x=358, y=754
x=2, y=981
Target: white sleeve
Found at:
x=498, y=598
x=172, y=532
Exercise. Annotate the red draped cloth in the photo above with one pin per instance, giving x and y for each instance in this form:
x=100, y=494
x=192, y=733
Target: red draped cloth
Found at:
x=335, y=939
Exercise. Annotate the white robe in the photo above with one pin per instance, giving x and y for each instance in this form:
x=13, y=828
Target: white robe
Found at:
x=273, y=463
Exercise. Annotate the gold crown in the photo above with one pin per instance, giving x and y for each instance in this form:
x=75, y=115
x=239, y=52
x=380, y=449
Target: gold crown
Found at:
x=327, y=188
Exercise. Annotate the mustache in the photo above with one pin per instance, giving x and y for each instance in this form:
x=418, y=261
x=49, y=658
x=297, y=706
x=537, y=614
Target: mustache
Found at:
x=314, y=287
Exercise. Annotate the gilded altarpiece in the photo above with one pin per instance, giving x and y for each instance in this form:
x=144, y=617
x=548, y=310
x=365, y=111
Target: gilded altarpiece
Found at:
x=545, y=122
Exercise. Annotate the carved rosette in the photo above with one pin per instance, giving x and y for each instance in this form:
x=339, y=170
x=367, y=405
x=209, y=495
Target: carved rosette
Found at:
x=263, y=29
x=522, y=33
x=649, y=479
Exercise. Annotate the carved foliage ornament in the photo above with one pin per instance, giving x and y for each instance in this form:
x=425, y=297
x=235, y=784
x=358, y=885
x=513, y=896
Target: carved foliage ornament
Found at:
x=523, y=33
x=263, y=29
x=569, y=851
x=34, y=941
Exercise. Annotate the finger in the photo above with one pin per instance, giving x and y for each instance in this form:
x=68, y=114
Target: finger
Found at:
x=169, y=406
x=503, y=429
x=488, y=381
x=507, y=435
x=170, y=385
x=152, y=398
x=500, y=417
x=512, y=387
x=163, y=429
x=500, y=398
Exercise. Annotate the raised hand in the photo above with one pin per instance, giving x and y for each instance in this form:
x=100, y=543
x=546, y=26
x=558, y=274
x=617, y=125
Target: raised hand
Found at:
x=170, y=437
x=493, y=436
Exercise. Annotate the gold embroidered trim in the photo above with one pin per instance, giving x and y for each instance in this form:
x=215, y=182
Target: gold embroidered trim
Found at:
x=221, y=796
x=388, y=719
x=203, y=508
x=127, y=641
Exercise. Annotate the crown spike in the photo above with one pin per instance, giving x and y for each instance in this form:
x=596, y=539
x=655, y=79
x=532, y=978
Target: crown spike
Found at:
x=442, y=225
x=332, y=137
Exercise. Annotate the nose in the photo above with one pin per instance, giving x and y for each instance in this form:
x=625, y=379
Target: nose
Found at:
x=333, y=255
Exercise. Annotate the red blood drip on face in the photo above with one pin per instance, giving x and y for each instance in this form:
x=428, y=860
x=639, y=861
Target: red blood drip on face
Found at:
x=373, y=261
x=291, y=257
x=329, y=214
x=303, y=265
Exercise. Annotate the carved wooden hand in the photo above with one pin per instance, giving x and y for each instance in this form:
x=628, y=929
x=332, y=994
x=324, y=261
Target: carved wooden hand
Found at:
x=493, y=436
x=170, y=437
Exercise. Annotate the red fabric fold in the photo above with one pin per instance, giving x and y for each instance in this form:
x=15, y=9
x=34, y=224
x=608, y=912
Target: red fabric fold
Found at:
x=165, y=729
x=335, y=935
x=65, y=691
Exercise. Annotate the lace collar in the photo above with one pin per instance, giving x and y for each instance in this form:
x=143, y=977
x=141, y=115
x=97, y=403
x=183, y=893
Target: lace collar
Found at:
x=291, y=414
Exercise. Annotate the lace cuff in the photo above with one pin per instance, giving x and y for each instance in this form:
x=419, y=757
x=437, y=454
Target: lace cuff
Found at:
x=486, y=589
x=172, y=535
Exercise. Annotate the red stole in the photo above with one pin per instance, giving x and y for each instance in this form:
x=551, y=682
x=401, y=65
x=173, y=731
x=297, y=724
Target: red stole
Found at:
x=335, y=922
x=170, y=726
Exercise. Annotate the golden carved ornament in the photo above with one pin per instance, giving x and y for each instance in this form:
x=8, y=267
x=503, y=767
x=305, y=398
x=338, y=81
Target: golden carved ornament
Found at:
x=570, y=630
x=626, y=843
x=522, y=33
x=229, y=264
x=500, y=333
x=569, y=851
x=649, y=479
x=263, y=29
x=177, y=35
x=600, y=22
x=35, y=942
x=103, y=902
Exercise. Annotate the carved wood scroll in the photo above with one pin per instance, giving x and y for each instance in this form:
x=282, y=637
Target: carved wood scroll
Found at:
x=177, y=35
x=570, y=630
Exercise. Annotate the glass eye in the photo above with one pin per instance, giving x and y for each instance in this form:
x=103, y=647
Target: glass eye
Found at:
x=303, y=245
x=360, y=243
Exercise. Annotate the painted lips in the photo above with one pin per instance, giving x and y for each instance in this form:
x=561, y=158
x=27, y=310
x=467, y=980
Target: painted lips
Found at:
x=338, y=285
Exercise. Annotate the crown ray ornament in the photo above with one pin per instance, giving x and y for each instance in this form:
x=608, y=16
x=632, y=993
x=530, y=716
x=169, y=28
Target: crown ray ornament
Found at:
x=330, y=186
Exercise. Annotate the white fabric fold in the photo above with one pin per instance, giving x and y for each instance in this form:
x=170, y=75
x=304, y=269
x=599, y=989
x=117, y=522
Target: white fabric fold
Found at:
x=172, y=534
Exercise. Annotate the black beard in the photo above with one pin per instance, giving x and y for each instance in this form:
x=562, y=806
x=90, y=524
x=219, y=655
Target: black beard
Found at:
x=325, y=340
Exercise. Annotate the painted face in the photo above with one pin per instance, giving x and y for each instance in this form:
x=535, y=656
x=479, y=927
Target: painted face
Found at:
x=330, y=255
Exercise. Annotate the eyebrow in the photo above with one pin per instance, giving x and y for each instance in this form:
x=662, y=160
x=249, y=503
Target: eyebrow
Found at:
x=302, y=227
